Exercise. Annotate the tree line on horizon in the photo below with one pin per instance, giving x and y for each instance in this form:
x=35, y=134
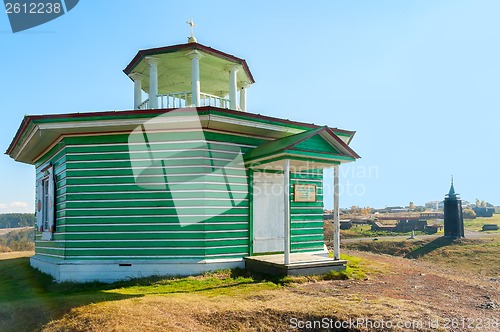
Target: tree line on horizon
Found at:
x=18, y=240
x=15, y=220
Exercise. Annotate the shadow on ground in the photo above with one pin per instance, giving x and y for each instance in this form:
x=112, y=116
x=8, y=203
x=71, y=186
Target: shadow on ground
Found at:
x=29, y=299
x=429, y=247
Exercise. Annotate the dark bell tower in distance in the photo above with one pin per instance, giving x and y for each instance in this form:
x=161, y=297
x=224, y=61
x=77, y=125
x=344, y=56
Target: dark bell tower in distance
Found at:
x=453, y=219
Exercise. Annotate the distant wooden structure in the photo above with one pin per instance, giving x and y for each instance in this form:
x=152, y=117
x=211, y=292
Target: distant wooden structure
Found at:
x=453, y=218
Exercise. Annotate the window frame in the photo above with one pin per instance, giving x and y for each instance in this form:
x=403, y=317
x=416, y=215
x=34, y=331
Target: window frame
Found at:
x=45, y=214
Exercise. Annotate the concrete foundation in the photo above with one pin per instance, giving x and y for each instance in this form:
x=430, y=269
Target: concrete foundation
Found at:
x=300, y=264
x=111, y=271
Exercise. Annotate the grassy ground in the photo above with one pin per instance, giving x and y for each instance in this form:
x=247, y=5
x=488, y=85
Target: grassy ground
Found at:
x=477, y=224
x=358, y=231
x=373, y=288
x=365, y=231
x=476, y=256
x=443, y=280
x=30, y=301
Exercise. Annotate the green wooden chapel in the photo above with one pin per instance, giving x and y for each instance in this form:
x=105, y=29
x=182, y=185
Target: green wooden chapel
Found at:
x=188, y=181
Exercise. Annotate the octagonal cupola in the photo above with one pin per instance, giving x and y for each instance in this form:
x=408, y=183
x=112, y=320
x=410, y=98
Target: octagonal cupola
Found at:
x=189, y=75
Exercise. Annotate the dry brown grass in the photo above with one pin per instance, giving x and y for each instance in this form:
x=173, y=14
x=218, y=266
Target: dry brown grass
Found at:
x=16, y=254
x=394, y=289
x=269, y=310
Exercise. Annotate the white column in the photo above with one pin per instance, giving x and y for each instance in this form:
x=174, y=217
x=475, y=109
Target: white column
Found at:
x=336, y=211
x=232, y=87
x=137, y=78
x=243, y=98
x=286, y=197
x=195, y=77
x=153, y=82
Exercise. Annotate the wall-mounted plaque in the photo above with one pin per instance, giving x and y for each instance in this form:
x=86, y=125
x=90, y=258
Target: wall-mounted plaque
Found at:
x=304, y=193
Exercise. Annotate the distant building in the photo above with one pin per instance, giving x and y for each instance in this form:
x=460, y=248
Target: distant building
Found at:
x=433, y=205
x=484, y=211
x=431, y=215
x=439, y=205
x=403, y=225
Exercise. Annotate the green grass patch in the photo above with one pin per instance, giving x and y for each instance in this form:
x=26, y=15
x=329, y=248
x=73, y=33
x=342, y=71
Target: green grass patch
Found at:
x=389, y=247
x=30, y=299
x=365, y=231
x=357, y=268
x=477, y=224
x=222, y=282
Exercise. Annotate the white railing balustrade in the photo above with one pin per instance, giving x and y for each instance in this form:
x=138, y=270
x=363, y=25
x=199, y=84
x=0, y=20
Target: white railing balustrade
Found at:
x=211, y=100
x=144, y=105
x=183, y=99
x=175, y=100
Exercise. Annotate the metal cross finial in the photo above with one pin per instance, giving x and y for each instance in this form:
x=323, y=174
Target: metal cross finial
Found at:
x=192, y=25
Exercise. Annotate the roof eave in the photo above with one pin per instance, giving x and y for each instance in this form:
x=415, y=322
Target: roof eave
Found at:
x=141, y=54
x=343, y=144
x=27, y=120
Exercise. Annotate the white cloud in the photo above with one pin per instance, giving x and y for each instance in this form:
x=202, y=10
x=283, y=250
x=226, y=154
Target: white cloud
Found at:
x=16, y=207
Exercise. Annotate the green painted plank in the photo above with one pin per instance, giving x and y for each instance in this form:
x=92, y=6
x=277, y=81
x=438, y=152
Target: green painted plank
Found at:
x=152, y=195
x=295, y=225
x=179, y=234
x=149, y=212
x=309, y=245
x=198, y=227
x=312, y=237
x=132, y=187
x=217, y=177
x=151, y=219
x=298, y=231
x=160, y=244
x=303, y=217
x=146, y=203
x=137, y=252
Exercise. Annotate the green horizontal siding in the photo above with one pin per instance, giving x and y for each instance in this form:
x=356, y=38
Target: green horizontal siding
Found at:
x=153, y=243
x=103, y=212
x=158, y=235
x=110, y=211
x=152, y=195
x=307, y=217
x=146, y=203
x=307, y=224
x=120, y=180
x=306, y=246
x=159, y=186
x=154, y=211
x=139, y=227
x=154, y=219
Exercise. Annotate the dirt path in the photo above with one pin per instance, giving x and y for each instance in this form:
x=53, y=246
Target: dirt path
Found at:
x=459, y=301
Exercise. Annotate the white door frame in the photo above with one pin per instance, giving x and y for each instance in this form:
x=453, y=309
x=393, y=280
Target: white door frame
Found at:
x=268, y=213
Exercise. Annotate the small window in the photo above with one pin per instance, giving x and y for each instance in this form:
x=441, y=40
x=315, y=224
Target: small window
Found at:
x=45, y=207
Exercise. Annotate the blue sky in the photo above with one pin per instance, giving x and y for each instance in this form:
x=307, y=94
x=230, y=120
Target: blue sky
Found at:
x=417, y=80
